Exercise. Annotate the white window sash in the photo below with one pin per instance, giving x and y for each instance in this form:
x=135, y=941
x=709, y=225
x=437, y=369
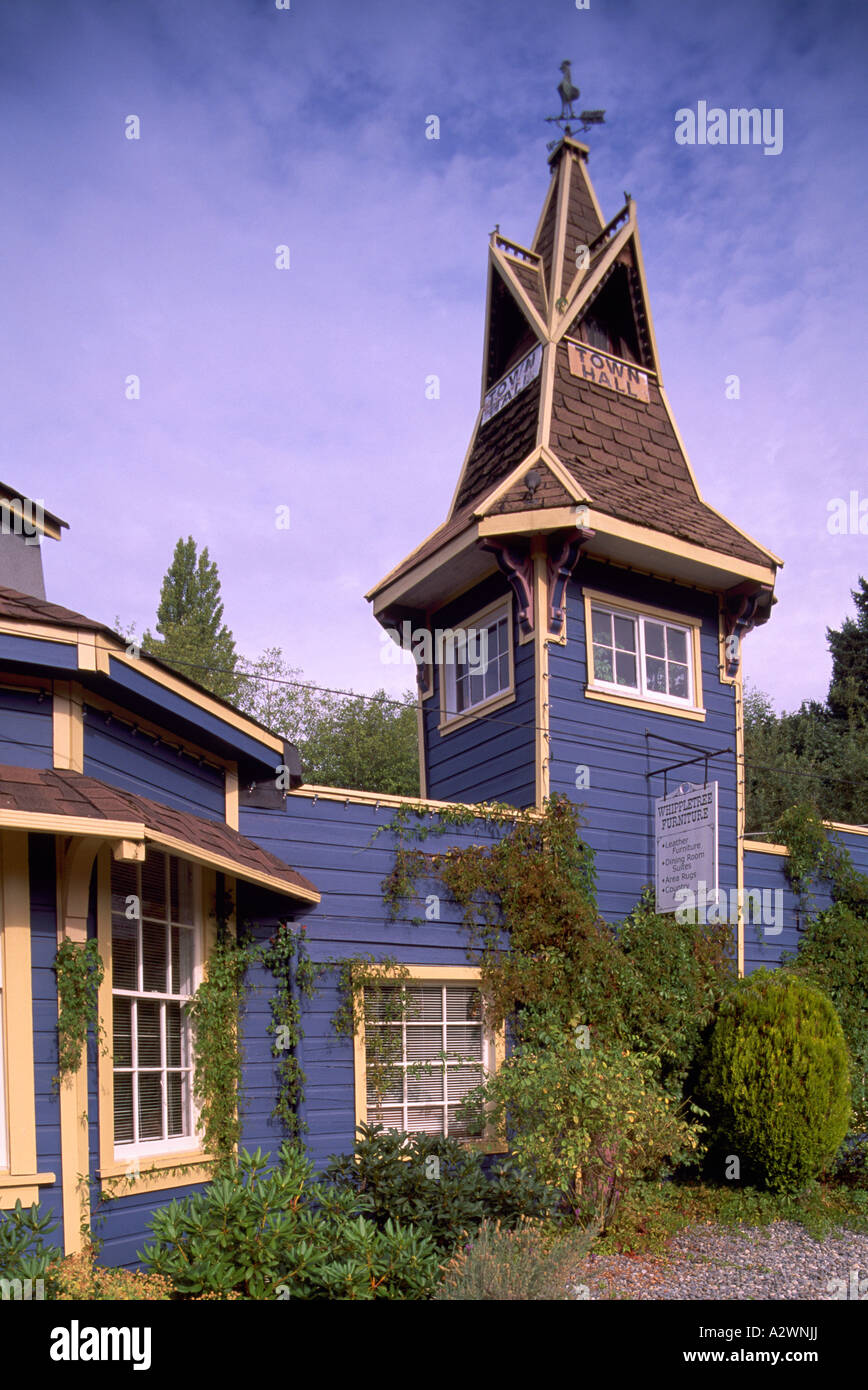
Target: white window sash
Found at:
x=641, y=689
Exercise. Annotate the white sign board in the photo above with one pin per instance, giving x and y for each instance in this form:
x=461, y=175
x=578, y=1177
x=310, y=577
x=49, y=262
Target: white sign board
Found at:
x=506, y=390
x=686, y=833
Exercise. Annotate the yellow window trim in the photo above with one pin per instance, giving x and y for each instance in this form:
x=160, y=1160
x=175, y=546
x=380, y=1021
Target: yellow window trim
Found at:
x=150, y=1172
x=450, y=722
x=695, y=711
x=434, y=974
x=22, y=1178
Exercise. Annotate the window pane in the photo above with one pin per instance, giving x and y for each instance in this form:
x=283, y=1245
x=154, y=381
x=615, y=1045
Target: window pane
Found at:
x=677, y=641
x=182, y=961
x=174, y=1036
x=154, y=959
x=655, y=639
x=150, y=1105
x=424, y=1043
x=125, y=884
x=463, y=1002
x=124, y=953
x=625, y=669
x=601, y=627
x=655, y=672
x=464, y=1041
x=603, y=668
x=387, y=1085
x=426, y=1087
x=179, y=1086
x=148, y=1033
x=428, y=1119
x=391, y=1119
x=625, y=634
x=154, y=885
x=679, y=683
x=424, y=1002
x=123, y=1109
x=181, y=877
x=123, y=1032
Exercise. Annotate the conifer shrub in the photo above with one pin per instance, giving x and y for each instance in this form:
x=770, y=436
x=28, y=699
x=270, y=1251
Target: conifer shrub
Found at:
x=777, y=1080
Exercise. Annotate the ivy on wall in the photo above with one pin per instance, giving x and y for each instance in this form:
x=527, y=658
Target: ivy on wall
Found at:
x=80, y=970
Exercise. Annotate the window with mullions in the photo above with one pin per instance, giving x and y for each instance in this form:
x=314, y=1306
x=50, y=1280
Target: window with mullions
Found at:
x=643, y=655
x=424, y=1057
x=153, y=965
x=477, y=665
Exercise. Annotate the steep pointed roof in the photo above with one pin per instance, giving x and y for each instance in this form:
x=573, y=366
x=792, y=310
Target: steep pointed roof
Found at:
x=571, y=377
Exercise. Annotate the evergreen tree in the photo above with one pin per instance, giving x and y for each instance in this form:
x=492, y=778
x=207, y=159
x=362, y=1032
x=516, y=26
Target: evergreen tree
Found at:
x=848, y=690
x=195, y=639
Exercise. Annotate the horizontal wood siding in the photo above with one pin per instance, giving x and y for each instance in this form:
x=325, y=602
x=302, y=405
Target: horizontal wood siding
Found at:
x=332, y=843
x=26, y=729
x=610, y=741
x=135, y=763
x=491, y=758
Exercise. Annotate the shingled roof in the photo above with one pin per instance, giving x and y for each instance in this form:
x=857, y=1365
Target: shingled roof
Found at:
x=27, y=791
x=623, y=451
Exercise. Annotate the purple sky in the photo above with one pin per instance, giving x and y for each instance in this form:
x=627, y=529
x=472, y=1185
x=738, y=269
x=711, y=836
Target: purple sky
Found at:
x=305, y=387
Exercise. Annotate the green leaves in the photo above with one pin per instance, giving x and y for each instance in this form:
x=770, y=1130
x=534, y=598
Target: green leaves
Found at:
x=80, y=970
x=260, y=1233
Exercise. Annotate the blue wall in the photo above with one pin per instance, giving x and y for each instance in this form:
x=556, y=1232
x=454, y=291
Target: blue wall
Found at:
x=611, y=741
x=26, y=737
x=113, y=753
x=492, y=758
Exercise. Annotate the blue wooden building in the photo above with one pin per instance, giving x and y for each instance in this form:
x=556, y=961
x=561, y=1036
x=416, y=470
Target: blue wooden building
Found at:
x=577, y=621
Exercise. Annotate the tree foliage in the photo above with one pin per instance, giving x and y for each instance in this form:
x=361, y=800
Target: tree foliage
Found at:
x=193, y=637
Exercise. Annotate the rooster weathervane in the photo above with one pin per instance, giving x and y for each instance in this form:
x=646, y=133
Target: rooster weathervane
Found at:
x=568, y=94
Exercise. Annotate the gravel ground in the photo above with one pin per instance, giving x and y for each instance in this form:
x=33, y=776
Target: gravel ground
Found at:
x=734, y=1262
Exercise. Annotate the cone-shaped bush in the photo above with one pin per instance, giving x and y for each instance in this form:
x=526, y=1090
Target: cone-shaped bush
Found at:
x=777, y=1080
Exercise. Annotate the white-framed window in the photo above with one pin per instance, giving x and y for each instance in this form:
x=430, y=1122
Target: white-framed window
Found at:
x=155, y=926
x=642, y=654
x=425, y=1055
x=476, y=662
x=4, y=1127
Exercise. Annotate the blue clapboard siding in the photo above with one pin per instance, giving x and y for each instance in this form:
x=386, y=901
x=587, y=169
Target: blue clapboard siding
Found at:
x=763, y=943
x=611, y=741
x=43, y=949
x=26, y=738
x=332, y=843
x=136, y=763
x=492, y=758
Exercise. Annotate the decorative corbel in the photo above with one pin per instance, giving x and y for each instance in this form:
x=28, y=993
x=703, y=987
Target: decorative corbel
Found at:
x=514, y=560
x=563, y=556
x=742, y=612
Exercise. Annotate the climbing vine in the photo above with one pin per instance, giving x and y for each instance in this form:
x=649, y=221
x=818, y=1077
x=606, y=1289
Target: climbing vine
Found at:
x=372, y=992
x=295, y=975
x=214, y=1011
x=80, y=970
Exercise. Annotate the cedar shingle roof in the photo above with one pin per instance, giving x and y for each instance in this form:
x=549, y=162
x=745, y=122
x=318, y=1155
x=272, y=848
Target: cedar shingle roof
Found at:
x=627, y=455
x=48, y=792
x=501, y=443
x=27, y=609
x=582, y=222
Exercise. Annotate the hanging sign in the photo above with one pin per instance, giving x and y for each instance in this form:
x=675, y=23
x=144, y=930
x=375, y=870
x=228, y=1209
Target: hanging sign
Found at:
x=607, y=371
x=506, y=390
x=686, y=833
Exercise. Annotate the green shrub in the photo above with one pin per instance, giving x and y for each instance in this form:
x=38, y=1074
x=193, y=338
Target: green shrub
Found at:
x=833, y=953
x=588, y=1121
x=436, y=1184
x=676, y=975
x=277, y=1234
x=524, y=1263
x=777, y=1080
x=23, y=1252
